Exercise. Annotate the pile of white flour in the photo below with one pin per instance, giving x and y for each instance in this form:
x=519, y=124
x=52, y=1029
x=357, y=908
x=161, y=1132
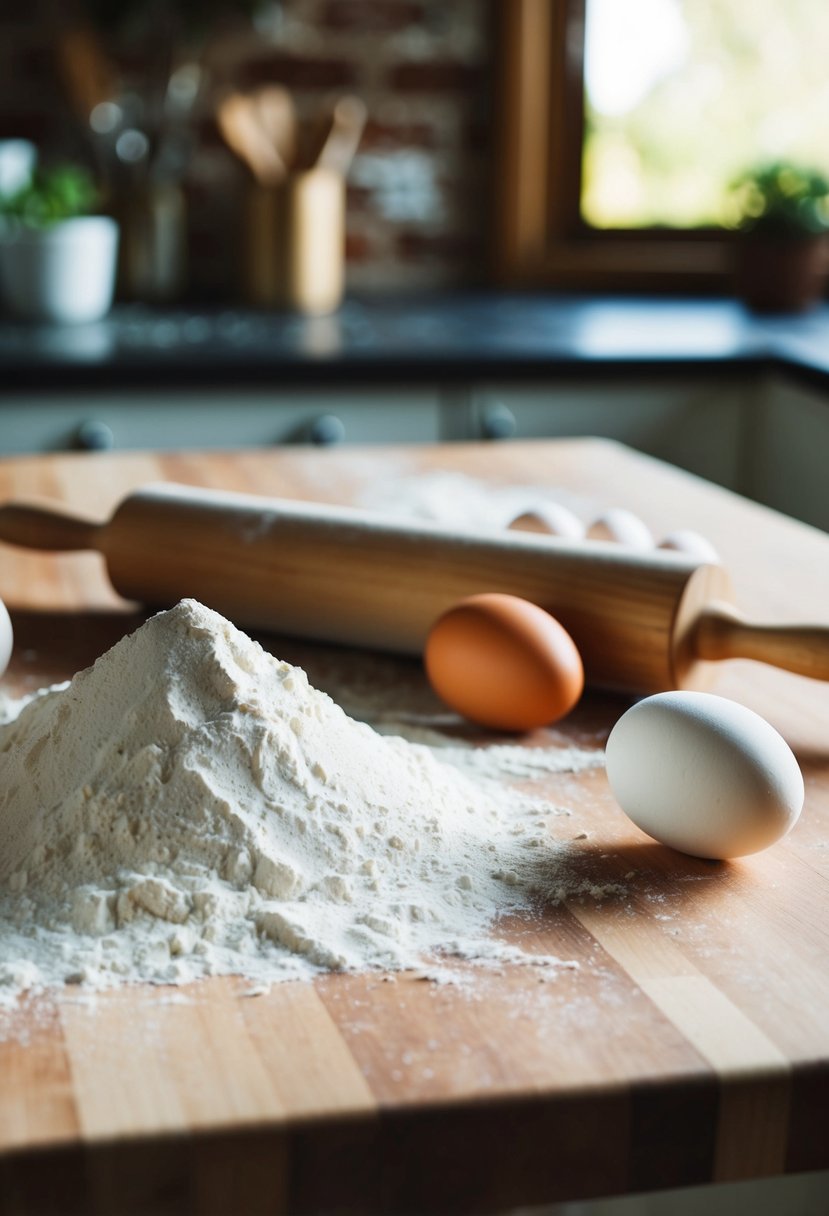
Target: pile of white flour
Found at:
x=191, y=806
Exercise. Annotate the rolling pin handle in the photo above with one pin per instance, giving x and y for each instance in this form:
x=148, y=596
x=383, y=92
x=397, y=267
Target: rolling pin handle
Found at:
x=42, y=528
x=723, y=633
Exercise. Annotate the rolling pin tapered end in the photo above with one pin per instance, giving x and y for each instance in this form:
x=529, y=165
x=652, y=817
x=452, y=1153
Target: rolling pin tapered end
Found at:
x=34, y=527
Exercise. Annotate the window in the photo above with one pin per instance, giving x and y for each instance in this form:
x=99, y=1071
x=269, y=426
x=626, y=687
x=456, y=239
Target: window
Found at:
x=622, y=122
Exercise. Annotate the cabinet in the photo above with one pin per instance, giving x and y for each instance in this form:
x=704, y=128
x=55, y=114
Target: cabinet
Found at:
x=216, y=418
x=762, y=435
x=788, y=453
x=697, y=425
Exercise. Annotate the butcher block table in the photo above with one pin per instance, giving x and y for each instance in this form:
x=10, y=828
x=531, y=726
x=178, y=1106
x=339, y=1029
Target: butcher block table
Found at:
x=690, y=1045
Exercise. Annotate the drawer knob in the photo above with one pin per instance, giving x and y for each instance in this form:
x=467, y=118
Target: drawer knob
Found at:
x=93, y=435
x=326, y=430
x=498, y=422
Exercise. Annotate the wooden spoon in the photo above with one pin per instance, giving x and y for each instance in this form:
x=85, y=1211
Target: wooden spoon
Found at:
x=277, y=115
x=243, y=132
x=340, y=136
x=88, y=74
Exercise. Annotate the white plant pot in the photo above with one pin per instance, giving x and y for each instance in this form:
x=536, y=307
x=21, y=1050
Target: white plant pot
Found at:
x=65, y=273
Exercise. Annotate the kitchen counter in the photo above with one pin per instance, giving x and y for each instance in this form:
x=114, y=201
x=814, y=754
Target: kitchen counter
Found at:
x=740, y=400
x=690, y=1045
x=446, y=338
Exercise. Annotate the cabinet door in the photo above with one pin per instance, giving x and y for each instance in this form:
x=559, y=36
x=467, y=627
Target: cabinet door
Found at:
x=696, y=426
x=215, y=418
x=789, y=466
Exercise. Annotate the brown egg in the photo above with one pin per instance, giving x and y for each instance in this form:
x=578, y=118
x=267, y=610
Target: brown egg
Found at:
x=504, y=663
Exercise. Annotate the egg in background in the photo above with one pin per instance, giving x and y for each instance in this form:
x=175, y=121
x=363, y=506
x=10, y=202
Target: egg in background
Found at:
x=551, y=518
x=621, y=527
x=6, y=638
x=684, y=540
x=503, y=663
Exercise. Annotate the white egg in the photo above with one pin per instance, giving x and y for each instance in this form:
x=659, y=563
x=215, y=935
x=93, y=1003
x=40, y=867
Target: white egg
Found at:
x=622, y=527
x=686, y=541
x=703, y=774
x=6, y=638
x=549, y=517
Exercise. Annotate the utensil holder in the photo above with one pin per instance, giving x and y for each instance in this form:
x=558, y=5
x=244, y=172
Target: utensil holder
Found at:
x=294, y=242
x=153, y=255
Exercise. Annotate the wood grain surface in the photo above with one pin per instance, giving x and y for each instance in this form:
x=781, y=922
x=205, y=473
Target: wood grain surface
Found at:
x=692, y=1044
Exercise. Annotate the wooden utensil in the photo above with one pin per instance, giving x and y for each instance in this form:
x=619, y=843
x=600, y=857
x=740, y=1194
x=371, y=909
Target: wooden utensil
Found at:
x=88, y=75
x=277, y=116
x=95, y=93
x=335, y=141
x=242, y=130
x=642, y=621
x=293, y=254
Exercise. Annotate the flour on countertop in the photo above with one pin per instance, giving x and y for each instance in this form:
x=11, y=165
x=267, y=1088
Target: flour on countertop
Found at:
x=10, y=707
x=394, y=697
x=191, y=806
x=455, y=498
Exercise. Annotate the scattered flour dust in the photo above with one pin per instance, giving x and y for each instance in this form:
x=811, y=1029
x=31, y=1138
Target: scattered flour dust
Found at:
x=451, y=497
x=191, y=806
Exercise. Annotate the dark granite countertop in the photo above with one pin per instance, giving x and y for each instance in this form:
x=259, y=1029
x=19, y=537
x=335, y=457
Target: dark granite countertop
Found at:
x=469, y=338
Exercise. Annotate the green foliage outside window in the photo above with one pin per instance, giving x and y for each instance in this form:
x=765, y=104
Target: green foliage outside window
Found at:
x=782, y=199
x=739, y=83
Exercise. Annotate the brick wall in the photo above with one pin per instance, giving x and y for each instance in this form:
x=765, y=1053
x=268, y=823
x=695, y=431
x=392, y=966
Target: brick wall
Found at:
x=418, y=192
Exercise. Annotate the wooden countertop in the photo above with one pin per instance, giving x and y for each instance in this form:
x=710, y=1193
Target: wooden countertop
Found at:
x=691, y=1045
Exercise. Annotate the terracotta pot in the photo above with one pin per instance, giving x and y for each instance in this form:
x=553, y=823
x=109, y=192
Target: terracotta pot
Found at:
x=780, y=274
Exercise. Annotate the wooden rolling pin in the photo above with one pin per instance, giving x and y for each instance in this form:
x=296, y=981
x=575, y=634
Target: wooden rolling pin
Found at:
x=642, y=621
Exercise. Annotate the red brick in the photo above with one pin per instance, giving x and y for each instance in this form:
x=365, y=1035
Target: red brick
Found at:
x=413, y=246
x=35, y=65
x=358, y=247
x=297, y=72
x=360, y=199
x=371, y=16
x=20, y=17
x=382, y=135
x=438, y=76
x=134, y=62
x=477, y=135
x=29, y=125
x=207, y=132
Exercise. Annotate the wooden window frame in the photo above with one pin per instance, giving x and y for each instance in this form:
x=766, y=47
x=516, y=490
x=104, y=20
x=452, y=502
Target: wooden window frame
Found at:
x=540, y=239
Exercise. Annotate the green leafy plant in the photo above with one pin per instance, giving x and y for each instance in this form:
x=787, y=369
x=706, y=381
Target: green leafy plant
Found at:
x=782, y=199
x=61, y=193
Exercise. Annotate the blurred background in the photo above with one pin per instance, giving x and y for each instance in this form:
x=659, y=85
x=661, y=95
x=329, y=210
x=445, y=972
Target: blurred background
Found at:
x=683, y=97
x=327, y=221
x=417, y=191
x=680, y=97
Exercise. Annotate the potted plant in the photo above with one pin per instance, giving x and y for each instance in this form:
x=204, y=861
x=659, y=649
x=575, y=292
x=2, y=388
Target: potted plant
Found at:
x=782, y=216
x=57, y=257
